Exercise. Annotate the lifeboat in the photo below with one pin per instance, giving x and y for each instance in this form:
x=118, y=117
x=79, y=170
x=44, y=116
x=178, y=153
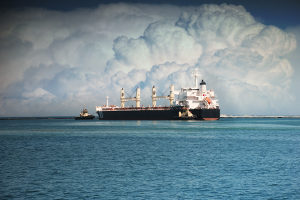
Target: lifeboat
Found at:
x=208, y=100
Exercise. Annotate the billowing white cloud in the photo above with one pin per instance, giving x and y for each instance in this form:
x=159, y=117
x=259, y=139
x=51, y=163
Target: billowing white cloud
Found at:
x=38, y=93
x=57, y=62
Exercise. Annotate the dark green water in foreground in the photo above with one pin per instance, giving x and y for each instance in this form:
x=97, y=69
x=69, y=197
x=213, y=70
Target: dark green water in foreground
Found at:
x=225, y=159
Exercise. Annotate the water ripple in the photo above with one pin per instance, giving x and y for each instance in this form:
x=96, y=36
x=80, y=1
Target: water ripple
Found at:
x=226, y=159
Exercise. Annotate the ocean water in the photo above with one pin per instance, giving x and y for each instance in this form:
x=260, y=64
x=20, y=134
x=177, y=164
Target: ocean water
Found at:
x=225, y=159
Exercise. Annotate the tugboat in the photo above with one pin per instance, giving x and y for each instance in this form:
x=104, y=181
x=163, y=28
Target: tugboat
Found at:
x=84, y=115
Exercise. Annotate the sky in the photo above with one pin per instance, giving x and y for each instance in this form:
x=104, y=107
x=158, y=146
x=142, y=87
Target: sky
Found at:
x=59, y=56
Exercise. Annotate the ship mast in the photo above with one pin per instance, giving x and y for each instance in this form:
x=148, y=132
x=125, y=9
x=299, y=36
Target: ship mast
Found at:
x=196, y=74
x=107, y=101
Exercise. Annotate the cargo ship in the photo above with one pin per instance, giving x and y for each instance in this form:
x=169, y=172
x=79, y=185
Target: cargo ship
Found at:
x=194, y=103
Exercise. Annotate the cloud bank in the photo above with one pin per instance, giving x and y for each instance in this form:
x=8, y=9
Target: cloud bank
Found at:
x=53, y=63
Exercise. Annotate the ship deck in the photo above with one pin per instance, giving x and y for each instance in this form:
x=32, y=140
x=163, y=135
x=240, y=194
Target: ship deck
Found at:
x=136, y=108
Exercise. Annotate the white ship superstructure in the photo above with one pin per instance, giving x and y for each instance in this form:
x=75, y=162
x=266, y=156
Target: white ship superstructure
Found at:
x=194, y=98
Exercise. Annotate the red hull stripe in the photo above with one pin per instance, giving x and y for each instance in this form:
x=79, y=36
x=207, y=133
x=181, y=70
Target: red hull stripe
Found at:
x=210, y=118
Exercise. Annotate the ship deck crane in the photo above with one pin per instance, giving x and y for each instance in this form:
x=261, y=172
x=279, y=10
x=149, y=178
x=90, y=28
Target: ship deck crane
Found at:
x=137, y=98
x=170, y=97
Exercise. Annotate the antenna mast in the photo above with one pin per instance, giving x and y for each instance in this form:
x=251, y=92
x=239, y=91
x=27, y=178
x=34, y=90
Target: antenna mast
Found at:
x=107, y=101
x=196, y=74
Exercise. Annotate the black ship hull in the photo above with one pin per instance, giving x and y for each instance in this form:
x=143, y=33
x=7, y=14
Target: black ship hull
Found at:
x=165, y=114
x=206, y=114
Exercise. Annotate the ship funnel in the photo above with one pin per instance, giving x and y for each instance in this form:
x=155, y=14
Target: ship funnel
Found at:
x=203, y=87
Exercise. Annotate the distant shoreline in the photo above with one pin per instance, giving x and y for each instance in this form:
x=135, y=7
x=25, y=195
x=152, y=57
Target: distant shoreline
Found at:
x=260, y=116
x=34, y=118
x=73, y=117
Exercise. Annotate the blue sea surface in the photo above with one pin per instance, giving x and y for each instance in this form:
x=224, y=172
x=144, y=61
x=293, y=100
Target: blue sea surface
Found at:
x=226, y=159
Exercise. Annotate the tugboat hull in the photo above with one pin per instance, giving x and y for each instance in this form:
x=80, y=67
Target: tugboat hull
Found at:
x=85, y=118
